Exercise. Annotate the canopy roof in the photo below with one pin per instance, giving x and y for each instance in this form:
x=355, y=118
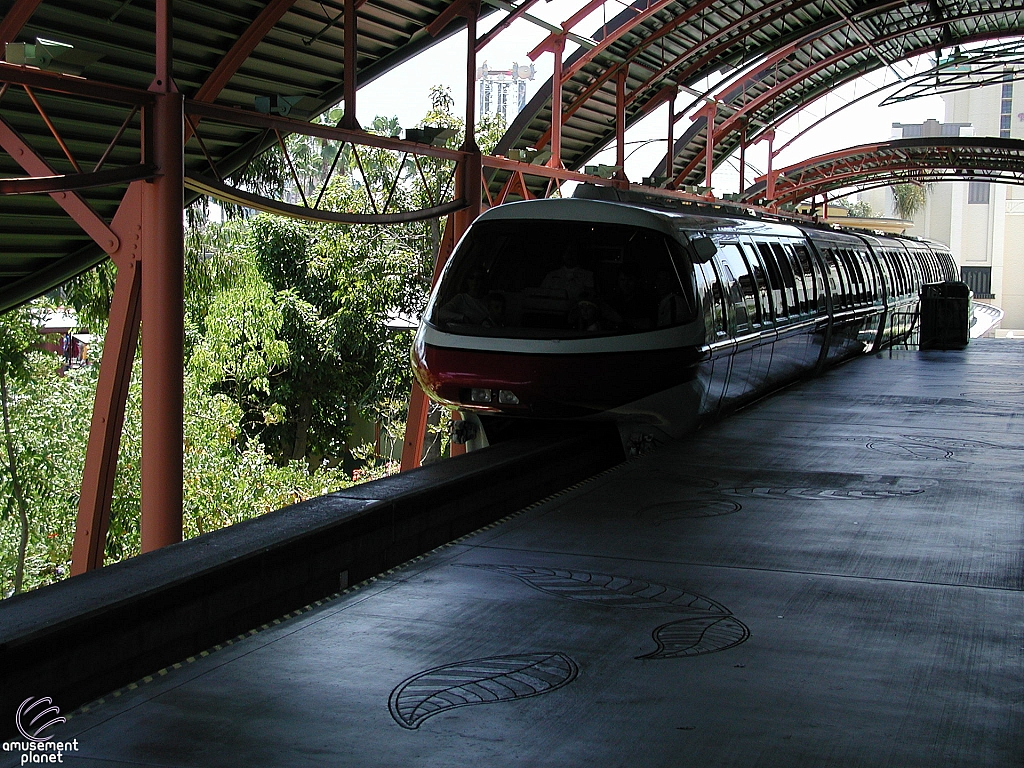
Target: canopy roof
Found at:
x=227, y=52
x=778, y=56
x=976, y=158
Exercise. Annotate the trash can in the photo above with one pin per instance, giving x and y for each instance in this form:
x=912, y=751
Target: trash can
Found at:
x=945, y=315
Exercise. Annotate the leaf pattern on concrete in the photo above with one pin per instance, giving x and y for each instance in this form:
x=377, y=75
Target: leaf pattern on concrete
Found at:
x=479, y=681
x=605, y=589
x=697, y=635
x=816, y=494
x=688, y=509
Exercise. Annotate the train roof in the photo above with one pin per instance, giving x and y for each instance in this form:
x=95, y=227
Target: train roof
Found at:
x=635, y=214
x=609, y=205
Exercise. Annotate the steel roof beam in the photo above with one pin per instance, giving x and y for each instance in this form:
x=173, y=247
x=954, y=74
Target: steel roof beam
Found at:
x=16, y=19
x=653, y=7
x=74, y=181
x=242, y=48
x=806, y=71
x=514, y=12
x=286, y=125
x=72, y=203
x=867, y=163
x=611, y=73
x=73, y=86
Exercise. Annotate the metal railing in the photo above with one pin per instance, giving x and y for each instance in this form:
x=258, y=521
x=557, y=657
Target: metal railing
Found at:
x=904, y=330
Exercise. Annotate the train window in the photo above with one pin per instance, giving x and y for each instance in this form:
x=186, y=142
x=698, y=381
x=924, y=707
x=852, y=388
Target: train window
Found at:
x=850, y=277
x=788, y=282
x=775, y=279
x=913, y=271
x=924, y=266
x=892, y=278
x=813, y=280
x=863, y=262
x=837, y=278
x=563, y=279
x=951, y=270
x=913, y=278
x=712, y=300
x=867, y=266
x=857, y=286
x=870, y=275
x=904, y=280
x=885, y=273
x=739, y=285
x=903, y=283
x=763, y=305
x=790, y=265
x=732, y=268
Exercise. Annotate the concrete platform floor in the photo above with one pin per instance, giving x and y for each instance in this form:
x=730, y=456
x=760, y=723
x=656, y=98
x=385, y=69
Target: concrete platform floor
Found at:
x=833, y=577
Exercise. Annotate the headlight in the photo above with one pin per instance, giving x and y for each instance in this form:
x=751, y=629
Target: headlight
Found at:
x=505, y=397
x=480, y=395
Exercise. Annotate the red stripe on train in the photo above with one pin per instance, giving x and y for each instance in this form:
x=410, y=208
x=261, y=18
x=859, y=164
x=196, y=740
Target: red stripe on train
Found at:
x=551, y=385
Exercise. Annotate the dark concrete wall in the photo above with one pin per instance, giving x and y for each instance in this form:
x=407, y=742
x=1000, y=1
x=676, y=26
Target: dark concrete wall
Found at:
x=89, y=635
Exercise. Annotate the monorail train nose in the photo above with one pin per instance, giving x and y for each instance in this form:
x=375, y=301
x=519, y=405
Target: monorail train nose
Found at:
x=454, y=378
x=568, y=309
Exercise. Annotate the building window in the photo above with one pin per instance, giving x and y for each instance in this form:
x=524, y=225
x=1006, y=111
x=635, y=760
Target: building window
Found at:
x=980, y=281
x=977, y=193
x=1006, y=106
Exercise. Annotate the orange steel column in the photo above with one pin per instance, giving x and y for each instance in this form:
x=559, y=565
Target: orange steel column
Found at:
x=769, y=190
x=471, y=167
x=669, y=154
x=111, y=390
x=416, y=420
x=711, y=110
x=556, y=104
x=743, y=156
x=350, y=53
x=162, y=308
x=467, y=186
x=620, y=123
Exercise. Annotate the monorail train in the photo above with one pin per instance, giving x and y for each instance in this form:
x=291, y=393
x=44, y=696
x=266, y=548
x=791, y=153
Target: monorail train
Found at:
x=653, y=316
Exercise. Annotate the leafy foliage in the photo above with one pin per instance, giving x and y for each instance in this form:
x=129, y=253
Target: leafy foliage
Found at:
x=861, y=209
x=287, y=340
x=909, y=199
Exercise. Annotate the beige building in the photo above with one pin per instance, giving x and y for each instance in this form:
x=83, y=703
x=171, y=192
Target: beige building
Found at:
x=983, y=223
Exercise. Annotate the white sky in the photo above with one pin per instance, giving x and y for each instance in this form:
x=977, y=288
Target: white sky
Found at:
x=404, y=93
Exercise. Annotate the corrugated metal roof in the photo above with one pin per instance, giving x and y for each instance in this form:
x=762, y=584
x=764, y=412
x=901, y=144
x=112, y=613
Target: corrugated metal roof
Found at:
x=783, y=54
x=919, y=160
x=302, y=54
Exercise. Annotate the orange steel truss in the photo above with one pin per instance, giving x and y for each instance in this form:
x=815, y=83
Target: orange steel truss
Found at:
x=896, y=161
x=144, y=237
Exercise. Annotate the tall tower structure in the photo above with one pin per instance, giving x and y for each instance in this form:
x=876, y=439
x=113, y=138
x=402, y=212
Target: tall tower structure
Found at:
x=503, y=91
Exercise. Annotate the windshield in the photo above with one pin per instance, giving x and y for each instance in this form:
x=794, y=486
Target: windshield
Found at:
x=563, y=279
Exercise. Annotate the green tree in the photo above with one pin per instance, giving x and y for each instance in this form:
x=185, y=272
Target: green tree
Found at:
x=239, y=350
x=17, y=336
x=861, y=209
x=335, y=287
x=908, y=199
